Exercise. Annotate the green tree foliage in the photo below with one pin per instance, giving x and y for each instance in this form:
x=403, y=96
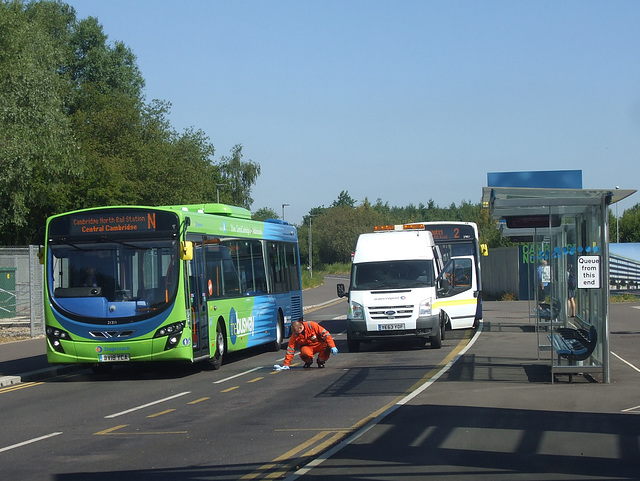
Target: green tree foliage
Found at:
x=335, y=230
x=76, y=131
x=265, y=213
x=238, y=177
x=344, y=200
x=38, y=158
x=629, y=225
x=94, y=63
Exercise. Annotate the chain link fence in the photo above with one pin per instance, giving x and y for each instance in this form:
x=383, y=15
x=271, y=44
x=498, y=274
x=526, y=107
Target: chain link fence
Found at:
x=22, y=302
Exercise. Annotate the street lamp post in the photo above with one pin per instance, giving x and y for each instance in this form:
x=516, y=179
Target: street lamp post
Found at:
x=218, y=192
x=283, y=206
x=310, y=249
x=617, y=221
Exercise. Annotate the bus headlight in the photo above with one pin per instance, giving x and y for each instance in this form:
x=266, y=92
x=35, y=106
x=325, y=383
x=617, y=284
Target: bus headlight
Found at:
x=173, y=333
x=356, y=311
x=425, y=308
x=55, y=335
x=170, y=330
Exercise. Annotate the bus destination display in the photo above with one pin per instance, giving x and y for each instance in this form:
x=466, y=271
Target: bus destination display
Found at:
x=113, y=222
x=450, y=232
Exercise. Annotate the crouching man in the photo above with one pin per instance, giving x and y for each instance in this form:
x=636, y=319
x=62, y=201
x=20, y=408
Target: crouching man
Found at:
x=310, y=338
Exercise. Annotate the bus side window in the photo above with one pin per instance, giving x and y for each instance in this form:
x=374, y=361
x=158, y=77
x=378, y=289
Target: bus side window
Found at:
x=213, y=269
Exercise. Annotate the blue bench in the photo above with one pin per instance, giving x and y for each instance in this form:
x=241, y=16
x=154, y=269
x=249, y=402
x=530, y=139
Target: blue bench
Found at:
x=549, y=311
x=574, y=344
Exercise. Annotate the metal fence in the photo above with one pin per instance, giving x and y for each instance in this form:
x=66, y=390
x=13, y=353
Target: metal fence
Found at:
x=29, y=281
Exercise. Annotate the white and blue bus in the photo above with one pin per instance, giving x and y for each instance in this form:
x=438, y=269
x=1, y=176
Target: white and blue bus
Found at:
x=461, y=300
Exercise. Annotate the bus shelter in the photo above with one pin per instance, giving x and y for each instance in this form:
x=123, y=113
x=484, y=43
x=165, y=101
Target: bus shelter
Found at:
x=568, y=230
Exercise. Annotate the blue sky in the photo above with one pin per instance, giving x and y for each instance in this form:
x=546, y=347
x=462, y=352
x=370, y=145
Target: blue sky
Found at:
x=397, y=100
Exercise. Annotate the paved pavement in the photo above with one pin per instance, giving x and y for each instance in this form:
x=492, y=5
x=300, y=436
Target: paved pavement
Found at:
x=493, y=414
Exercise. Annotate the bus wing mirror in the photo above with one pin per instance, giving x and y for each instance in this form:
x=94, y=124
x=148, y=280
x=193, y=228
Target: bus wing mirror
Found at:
x=186, y=250
x=341, y=291
x=484, y=249
x=41, y=255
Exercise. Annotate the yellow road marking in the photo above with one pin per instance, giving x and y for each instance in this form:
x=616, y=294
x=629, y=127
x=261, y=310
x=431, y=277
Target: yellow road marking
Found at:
x=230, y=389
x=256, y=379
x=333, y=430
x=325, y=444
x=199, y=400
x=16, y=387
x=110, y=430
x=288, y=456
x=160, y=413
x=287, y=461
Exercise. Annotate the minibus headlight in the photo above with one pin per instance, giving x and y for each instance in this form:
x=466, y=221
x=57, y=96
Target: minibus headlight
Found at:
x=425, y=307
x=356, y=311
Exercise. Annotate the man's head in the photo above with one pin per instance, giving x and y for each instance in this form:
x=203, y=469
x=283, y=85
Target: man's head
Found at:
x=297, y=327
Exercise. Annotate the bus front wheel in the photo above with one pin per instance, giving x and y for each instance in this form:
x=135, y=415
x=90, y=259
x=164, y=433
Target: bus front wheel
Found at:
x=216, y=359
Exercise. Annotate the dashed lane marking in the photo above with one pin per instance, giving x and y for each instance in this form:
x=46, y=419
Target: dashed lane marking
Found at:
x=30, y=441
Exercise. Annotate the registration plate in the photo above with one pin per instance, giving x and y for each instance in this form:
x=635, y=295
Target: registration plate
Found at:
x=114, y=357
x=390, y=327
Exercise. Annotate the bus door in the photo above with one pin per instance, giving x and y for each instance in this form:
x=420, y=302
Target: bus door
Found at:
x=198, y=300
x=458, y=292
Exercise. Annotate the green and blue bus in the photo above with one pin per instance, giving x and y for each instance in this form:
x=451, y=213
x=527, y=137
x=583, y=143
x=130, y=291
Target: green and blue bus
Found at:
x=174, y=283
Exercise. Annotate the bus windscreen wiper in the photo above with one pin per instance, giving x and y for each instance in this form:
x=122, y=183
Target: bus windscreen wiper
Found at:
x=104, y=238
x=64, y=241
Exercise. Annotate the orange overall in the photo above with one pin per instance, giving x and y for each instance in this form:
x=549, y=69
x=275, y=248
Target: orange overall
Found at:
x=313, y=339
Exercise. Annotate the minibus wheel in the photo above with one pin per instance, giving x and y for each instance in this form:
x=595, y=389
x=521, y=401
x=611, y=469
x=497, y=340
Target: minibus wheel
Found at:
x=436, y=340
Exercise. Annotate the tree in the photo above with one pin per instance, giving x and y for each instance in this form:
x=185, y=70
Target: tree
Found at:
x=336, y=231
x=629, y=225
x=344, y=200
x=38, y=155
x=239, y=176
x=93, y=62
x=265, y=213
x=76, y=132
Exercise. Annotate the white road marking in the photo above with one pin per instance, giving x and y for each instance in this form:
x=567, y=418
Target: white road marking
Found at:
x=238, y=375
x=30, y=441
x=111, y=416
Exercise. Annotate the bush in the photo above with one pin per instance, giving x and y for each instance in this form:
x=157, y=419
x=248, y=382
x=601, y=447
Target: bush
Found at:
x=626, y=297
x=309, y=282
